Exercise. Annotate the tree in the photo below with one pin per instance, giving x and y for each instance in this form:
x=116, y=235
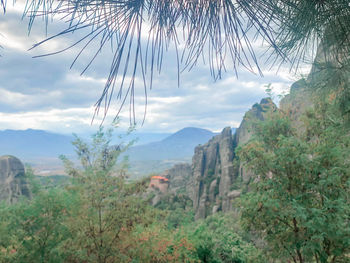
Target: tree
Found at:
x=108, y=207
x=156, y=243
x=214, y=30
x=300, y=202
x=97, y=217
x=34, y=230
x=216, y=240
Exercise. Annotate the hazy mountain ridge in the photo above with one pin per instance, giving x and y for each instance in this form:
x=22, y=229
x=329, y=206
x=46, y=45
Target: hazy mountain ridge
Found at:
x=28, y=144
x=179, y=145
x=41, y=148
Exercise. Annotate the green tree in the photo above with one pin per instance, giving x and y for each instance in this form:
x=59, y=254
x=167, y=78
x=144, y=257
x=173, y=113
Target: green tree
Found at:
x=216, y=240
x=33, y=231
x=108, y=206
x=300, y=201
x=156, y=243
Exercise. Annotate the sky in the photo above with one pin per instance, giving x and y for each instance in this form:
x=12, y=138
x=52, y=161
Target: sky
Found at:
x=44, y=93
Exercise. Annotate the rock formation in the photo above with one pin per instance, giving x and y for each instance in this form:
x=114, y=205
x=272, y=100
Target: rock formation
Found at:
x=212, y=166
x=175, y=193
x=13, y=183
x=179, y=178
x=217, y=177
x=214, y=180
x=259, y=112
x=160, y=183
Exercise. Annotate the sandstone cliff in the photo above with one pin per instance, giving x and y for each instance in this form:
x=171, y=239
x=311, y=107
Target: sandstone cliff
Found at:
x=215, y=178
x=213, y=172
x=13, y=183
x=179, y=178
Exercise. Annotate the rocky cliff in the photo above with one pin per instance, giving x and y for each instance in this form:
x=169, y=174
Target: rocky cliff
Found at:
x=13, y=183
x=212, y=175
x=215, y=179
x=259, y=112
x=179, y=178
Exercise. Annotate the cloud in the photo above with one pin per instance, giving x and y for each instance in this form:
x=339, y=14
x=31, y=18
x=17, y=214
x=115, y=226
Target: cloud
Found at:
x=53, y=120
x=44, y=93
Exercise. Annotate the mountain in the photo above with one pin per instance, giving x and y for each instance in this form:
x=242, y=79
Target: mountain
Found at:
x=13, y=183
x=147, y=137
x=41, y=148
x=179, y=145
x=31, y=144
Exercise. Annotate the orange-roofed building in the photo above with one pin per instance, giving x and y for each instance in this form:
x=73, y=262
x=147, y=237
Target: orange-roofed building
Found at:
x=159, y=182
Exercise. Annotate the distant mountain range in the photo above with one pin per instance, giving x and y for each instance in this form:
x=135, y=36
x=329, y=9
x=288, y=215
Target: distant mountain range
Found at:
x=179, y=145
x=159, y=151
x=29, y=144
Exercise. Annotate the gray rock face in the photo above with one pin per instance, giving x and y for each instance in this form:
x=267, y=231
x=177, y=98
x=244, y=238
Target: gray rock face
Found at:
x=259, y=112
x=211, y=181
x=213, y=172
x=179, y=177
x=13, y=183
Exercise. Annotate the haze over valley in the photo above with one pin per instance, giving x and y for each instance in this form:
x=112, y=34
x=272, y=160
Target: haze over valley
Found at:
x=150, y=153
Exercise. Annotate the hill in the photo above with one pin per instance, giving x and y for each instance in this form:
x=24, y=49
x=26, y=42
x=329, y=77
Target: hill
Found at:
x=179, y=145
x=153, y=152
x=30, y=144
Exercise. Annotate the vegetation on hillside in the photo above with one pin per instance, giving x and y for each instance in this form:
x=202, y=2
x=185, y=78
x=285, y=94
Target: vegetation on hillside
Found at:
x=98, y=216
x=300, y=202
x=296, y=210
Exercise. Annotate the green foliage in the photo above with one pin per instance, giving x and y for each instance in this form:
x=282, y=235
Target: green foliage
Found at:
x=268, y=90
x=216, y=240
x=34, y=230
x=179, y=218
x=178, y=209
x=108, y=207
x=84, y=222
x=331, y=86
x=300, y=203
x=156, y=243
x=52, y=181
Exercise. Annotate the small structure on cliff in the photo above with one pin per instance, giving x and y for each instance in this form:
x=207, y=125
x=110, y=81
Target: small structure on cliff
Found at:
x=159, y=182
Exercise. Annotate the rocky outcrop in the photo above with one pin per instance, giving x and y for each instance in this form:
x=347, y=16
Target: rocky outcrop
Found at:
x=179, y=178
x=217, y=178
x=214, y=180
x=13, y=183
x=212, y=166
x=178, y=183
x=215, y=175
x=258, y=113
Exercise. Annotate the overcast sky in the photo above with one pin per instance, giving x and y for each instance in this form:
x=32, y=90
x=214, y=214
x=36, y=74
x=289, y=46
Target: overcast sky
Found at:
x=43, y=93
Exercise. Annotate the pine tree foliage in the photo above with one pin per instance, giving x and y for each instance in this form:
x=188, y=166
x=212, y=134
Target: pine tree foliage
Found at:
x=140, y=33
